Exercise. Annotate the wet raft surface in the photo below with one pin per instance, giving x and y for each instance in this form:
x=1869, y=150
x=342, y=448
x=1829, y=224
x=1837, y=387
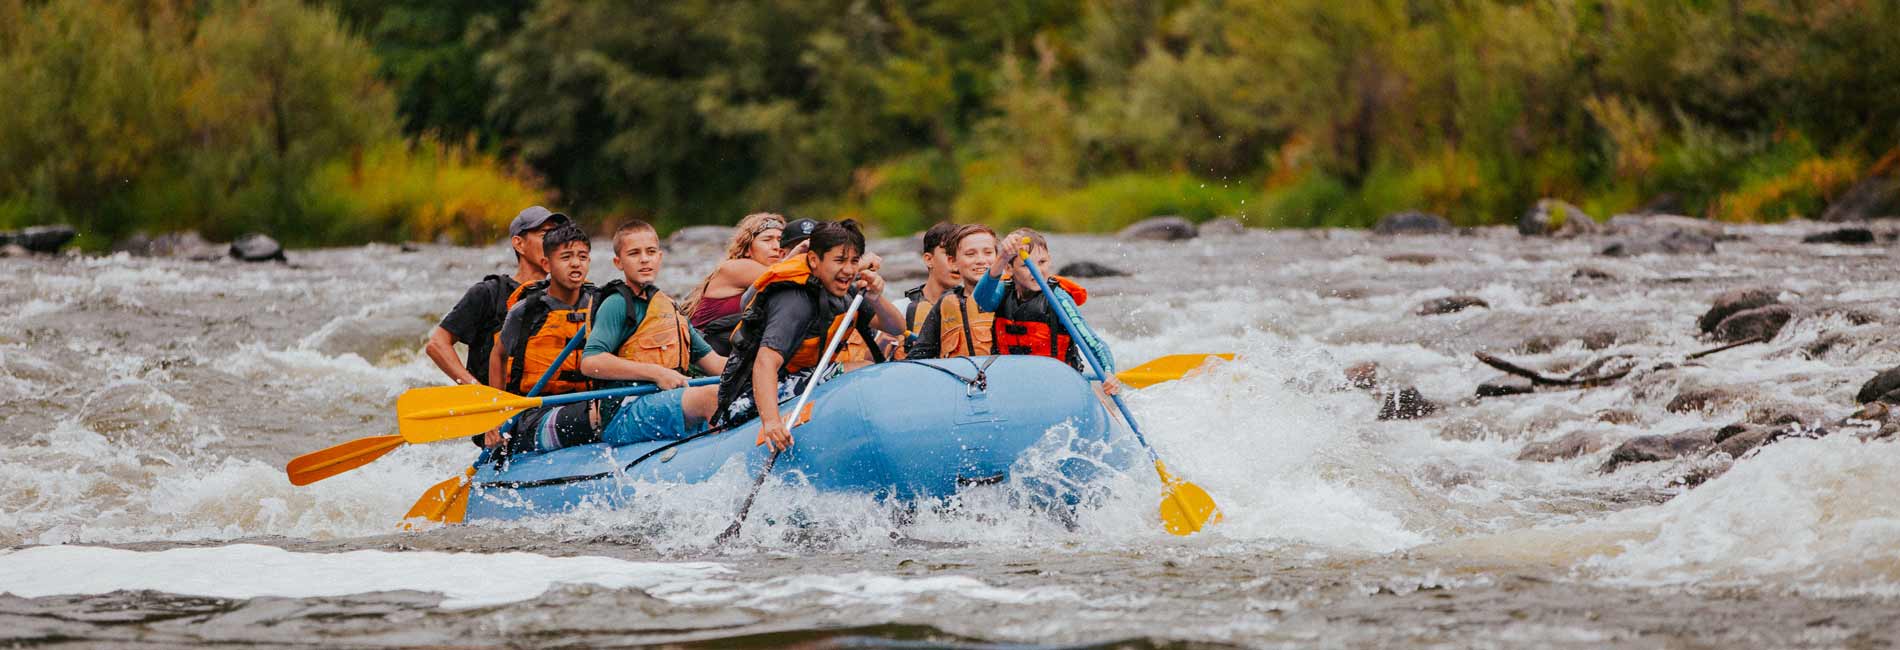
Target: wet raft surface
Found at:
x=150, y=404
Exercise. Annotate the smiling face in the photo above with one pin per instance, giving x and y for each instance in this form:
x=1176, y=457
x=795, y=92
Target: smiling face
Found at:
x=836, y=268
x=638, y=256
x=974, y=256
x=567, y=266
x=765, y=249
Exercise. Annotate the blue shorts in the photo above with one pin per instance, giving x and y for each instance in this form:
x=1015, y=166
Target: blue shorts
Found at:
x=659, y=416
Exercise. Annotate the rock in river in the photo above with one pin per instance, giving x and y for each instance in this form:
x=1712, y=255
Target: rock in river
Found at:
x=1885, y=382
x=1735, y=301
x=1642, y=449
x=1666, y=242
x=1841, y=236
x=1086, y=269
x=40, y=239
x=257, y=247
x=692, y=236
x=1760, y=322
x=1412, y=223
x=1450, y=304
x=1405, y=404
x=1160, y=229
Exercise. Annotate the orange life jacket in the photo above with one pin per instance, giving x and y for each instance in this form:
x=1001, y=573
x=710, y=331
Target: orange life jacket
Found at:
x=663, y=337
x=548, y=333
x=1042, y=335
x=792, y=274
x=964, y=329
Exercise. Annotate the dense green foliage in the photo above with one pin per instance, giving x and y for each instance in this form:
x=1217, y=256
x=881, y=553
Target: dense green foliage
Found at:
x=1070, y=114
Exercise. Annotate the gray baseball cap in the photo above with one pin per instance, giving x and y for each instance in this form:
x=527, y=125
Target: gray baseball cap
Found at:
x=531, y=219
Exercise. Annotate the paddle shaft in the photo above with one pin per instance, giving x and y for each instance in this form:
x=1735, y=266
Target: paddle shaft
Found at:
x=817, y=375
x=1087, y=354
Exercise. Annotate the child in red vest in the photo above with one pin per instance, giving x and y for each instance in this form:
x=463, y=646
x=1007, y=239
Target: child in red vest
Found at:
x=1025, y=319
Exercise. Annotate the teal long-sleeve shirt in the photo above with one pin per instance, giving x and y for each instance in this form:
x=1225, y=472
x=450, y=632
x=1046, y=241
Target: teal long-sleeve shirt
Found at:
x=990, y=291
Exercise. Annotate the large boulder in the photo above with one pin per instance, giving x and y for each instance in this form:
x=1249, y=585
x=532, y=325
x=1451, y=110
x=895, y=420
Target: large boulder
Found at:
x=1223, y=227
x=1570, y=445
x=1087, y=269
x=1736, y=301
x=257, y=247
x=1160, y=229
x=1450, y=304
x=699, y=236
x=1885, y=382
x=40, y=239
x=1643, y=449
x=1412, y=223
x=1761, y=322
x=1555, y=217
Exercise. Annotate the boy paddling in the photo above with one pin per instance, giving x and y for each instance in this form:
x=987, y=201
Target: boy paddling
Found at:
x=1025, y=320
x=477, y=317
x=640, y=336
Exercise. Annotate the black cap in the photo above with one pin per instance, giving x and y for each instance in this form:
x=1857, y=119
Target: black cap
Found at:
x=532, y=218
x=797, y=231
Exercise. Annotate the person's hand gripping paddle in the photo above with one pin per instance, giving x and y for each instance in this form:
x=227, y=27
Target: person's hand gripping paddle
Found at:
x=1185, y=507
x=799, y=414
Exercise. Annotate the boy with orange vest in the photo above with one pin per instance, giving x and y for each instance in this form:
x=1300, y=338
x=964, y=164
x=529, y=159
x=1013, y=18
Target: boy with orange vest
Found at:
x=956, y=326
x=543, y=317
x=1024, y=321
x=640, y=336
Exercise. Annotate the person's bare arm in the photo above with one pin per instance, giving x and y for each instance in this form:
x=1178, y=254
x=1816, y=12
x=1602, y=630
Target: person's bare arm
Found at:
x=734, y=276
x=712, y=362
x=602, y=365
x=890, y=319
x=772, y=430
x=441, y=350
x=497, y=376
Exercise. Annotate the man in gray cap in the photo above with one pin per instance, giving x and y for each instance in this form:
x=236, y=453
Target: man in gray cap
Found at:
x=478, y=315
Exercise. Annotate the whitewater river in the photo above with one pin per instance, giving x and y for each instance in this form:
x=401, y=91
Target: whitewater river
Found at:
x=147, y=408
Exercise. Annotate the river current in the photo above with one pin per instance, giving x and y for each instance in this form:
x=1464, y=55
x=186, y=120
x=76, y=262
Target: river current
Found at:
x=147, y=408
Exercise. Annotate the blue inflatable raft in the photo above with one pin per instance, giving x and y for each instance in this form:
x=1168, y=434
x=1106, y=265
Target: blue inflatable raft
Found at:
x=902, y=430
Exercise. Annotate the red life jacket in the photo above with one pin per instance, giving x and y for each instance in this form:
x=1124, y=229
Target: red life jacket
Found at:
x=1043, y=338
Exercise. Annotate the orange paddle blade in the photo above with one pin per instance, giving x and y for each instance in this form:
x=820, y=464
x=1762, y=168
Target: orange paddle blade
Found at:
x=1168, y=368
x=444, y=412
x=325, y=463
x=443, y=503
x=1185, y=507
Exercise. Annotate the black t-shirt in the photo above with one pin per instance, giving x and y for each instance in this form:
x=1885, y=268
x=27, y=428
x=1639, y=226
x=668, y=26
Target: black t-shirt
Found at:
x=477, y=317
x=788, y=312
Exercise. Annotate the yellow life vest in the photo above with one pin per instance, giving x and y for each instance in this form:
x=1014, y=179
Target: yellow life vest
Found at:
x=960, y=335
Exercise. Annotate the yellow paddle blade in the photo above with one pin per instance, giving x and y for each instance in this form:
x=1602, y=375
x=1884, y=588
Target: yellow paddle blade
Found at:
x=325, y=463
x=1185, y=507
x=444, y=412
x=1168, y=368
x=443, y=503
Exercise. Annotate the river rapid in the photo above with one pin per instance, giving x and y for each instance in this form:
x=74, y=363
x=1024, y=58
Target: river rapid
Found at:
x=147, y=408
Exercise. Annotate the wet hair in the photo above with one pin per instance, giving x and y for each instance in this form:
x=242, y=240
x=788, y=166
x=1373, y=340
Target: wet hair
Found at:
x=934, y=237
x=955, y=240
x=567, y=233
x=748, y=231
x=630, y=228
x=832, y=234
x=1036, y=240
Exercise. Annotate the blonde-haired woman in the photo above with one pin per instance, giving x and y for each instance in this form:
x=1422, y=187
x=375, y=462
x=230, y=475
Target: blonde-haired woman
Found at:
x=714, y=307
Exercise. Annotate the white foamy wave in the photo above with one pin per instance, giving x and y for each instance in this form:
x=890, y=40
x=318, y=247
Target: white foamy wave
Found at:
x=249, y=571
x=1819, y=515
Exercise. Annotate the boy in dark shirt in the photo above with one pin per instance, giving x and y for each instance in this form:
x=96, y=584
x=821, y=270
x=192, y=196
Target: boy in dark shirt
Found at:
x=477, y=317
